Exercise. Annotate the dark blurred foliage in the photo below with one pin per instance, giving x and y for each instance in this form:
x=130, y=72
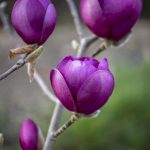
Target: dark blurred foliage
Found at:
x=146, y=10
x=64, y=15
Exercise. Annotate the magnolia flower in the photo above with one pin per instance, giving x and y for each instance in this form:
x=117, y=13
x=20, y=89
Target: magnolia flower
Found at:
x=34, y=20
x=110, y=19
x=83, y=85
x=30, y=136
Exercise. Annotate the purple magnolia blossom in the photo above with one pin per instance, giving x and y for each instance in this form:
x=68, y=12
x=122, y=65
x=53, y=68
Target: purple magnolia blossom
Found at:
x=34, y=20
x=30, y=136
x=83, y=85
x=110, y=19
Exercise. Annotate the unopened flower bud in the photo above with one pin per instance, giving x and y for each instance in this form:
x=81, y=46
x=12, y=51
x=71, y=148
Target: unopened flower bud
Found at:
x=34, y=20
x=83, y=85
x=30, y=136
x=110, y=19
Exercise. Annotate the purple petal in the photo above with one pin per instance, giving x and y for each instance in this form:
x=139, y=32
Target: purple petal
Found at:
x=48, y=24
x=104, y=64
x=111, y=19
x=68, y=59
x=90, y=60
x=61, y=90
x=27, y=23
x=92, y=15
x=75, y=72
x=63, y=62
x=35, y=15
x=45, y=3
x=95, y=91
x=29, y=135
x=121, y=17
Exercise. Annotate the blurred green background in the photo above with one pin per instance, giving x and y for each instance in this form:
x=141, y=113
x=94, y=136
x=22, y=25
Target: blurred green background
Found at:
x=124, y=122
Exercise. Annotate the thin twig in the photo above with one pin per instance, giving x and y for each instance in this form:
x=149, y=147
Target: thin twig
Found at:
x=76, y=17
x=50, y=139
x=71, y=121
x=85, y=43
x=104, y=45
x=44, y=87
x=20, y=63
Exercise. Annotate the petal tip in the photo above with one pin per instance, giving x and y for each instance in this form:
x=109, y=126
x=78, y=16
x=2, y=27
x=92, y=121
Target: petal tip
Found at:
x=104, y=65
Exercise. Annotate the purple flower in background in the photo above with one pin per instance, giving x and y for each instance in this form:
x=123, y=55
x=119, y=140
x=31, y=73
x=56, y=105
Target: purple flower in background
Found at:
x=34, y=20
x=110, y=19
x=30, y=136
x=83, y=85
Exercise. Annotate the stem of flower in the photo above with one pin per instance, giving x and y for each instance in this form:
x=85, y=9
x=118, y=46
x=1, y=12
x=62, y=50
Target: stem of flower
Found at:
x=104, y=45
x=44, y=87
x=76, y=17
x=50, y=139
x=20, y=63
x=71, y=121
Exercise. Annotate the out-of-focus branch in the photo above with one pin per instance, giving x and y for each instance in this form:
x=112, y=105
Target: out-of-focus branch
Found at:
x=50, y=139
x=4, y=17
x=85, y=43
x=20, y=63
x=1, y=140
x=44, y=87
x=70, y=122
x=104, y=46
x=76, y=17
